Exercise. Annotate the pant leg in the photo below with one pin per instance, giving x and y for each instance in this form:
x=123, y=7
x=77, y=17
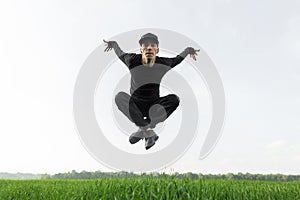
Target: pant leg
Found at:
x=162, y=108
x=130, y=109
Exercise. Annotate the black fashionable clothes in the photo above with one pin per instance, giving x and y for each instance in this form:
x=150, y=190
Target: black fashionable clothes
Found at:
x=142, y=112
x=144, y=87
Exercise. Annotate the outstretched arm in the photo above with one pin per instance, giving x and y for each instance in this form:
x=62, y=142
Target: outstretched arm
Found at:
x=113, y=45
x=178, y=59
x=125, y=57
x=189, y=51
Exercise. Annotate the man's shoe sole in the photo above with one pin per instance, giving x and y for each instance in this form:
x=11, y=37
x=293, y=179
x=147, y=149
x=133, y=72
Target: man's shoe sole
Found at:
x=135, y=140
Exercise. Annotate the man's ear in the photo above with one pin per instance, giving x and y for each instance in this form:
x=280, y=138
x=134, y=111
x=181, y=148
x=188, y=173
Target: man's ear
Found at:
x=157, y=50
x=141, y=49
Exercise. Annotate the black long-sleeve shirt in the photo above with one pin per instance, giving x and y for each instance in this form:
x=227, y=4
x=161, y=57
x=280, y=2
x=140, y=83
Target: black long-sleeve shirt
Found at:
x=145, y=80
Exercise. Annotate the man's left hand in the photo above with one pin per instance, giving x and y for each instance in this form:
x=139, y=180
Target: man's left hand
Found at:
x=194, y=54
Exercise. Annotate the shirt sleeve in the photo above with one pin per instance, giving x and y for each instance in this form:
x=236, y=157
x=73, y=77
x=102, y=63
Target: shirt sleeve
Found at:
x=172, y=62
x=124, y=57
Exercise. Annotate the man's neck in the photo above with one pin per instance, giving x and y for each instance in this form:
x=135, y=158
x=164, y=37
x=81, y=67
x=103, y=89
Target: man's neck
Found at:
x=149, y=62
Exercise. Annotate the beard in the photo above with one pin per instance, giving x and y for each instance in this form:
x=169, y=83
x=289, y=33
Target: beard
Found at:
x=149, y=60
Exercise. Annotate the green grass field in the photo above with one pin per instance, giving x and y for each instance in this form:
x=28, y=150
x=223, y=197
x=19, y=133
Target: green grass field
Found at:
x=148, y=188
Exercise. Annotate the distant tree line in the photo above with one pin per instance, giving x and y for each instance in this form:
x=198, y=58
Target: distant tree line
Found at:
x=19, y=176
x=229, y=176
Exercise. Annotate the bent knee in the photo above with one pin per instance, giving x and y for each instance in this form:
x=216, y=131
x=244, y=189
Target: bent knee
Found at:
x=120, y=97
x=175, y=99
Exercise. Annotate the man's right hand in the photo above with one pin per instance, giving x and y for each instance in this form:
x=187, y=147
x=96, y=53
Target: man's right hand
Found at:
x=108, y=45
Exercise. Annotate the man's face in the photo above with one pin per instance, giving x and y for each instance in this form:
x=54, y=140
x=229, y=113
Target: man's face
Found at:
x=149, y=49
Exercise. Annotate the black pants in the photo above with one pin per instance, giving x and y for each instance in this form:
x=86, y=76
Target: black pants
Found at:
x=150, y=112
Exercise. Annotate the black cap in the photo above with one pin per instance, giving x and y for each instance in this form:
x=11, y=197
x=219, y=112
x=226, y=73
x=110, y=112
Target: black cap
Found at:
x=148, y=37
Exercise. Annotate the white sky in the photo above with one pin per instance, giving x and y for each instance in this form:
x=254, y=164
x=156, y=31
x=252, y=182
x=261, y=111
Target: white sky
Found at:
x=255, y=46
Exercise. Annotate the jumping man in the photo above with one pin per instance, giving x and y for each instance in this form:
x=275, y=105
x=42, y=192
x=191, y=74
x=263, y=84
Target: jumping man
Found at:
x=144, y=106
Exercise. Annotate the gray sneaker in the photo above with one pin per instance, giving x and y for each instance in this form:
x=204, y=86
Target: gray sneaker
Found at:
x=150, y=139
x=137, y=136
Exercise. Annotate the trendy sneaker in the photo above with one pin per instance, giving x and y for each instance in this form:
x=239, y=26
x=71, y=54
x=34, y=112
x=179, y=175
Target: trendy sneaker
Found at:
x=150, y=139
x=137, y=136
